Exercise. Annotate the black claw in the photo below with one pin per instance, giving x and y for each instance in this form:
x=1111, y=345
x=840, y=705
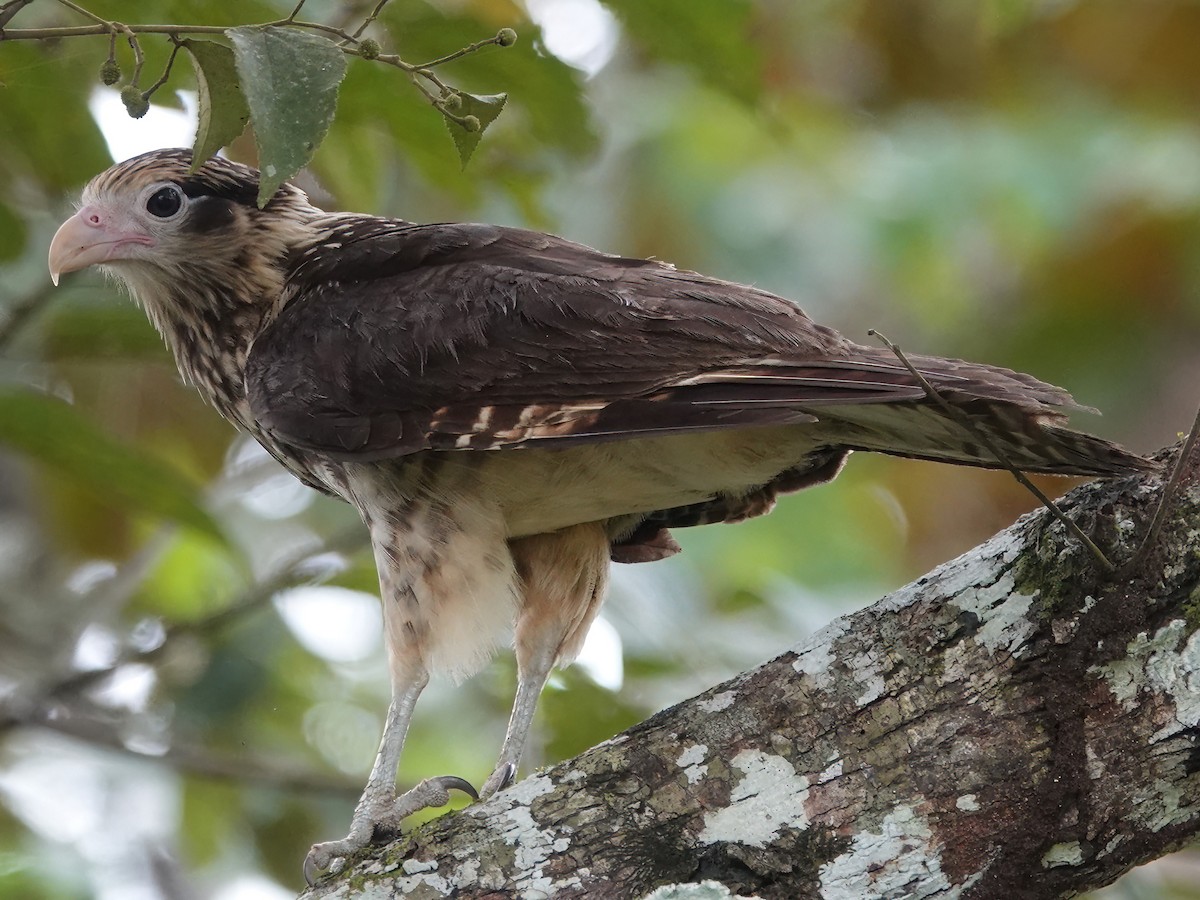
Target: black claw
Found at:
x=453, y=782
x=510, y=772
x=311, y=871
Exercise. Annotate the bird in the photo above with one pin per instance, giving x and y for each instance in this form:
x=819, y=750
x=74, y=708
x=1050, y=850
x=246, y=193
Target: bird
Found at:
x=510, y=412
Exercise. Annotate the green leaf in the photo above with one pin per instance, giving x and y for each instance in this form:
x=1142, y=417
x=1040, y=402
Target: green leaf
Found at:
x=485, y=108
x=53, y=433
x=222, y=105
x=290, y=79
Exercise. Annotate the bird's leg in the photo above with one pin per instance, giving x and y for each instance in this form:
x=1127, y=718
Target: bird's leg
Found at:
x=379, y=807
x=533, y=668
x=379, y=804
x=563, y=576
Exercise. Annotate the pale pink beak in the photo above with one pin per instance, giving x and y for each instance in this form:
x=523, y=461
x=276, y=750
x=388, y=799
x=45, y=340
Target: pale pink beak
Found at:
x=91, y=236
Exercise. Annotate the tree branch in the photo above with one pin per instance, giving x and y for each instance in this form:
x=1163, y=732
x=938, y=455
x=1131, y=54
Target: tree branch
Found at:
x=1013, y=724
x=242, y=769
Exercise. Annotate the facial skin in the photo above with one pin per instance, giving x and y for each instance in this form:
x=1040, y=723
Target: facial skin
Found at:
x=105, y=232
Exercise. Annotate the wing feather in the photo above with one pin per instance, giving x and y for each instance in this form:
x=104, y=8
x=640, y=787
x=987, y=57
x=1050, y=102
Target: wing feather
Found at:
x=396, y=338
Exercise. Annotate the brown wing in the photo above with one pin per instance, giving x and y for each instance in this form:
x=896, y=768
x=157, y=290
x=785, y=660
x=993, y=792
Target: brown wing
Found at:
x=398, y=338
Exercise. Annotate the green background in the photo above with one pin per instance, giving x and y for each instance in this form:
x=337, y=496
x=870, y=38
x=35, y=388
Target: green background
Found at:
x=1010, y=181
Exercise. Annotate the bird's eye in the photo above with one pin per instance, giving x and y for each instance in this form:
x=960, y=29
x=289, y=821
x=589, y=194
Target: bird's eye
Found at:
x=165, y=202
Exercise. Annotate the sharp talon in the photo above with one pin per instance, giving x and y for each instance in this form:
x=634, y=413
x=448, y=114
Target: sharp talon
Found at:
x=510, y=772
x=454, y=783
x=499, y=780
x=377, y=819
x=311, y=870
x=316, y=864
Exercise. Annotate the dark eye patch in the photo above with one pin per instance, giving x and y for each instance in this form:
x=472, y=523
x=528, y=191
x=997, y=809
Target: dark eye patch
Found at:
x=208, y=214
x=243, y=191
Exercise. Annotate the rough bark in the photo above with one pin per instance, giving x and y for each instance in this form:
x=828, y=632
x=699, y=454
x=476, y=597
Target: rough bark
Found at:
x=1013, y=724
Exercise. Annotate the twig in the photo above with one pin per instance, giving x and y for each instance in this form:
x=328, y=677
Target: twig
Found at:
x=10, y=9
x=197, y=761
x=162, y=79
x=139, y=59
x=20, y=312
x=366, y=23
x=67, y=31
x=1166, y=501
x=999, y=454
x=86, y=13
x=458, y=54
x=256, y=596
x=296, y=11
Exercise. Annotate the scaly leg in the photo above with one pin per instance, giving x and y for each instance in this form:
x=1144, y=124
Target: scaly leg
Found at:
x=563, y=575
x=379, y=805
x=531, y=678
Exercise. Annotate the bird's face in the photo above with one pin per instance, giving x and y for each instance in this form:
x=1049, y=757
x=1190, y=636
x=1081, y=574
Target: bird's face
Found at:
x=120, y=224
x=195, y=250
x=151, y=221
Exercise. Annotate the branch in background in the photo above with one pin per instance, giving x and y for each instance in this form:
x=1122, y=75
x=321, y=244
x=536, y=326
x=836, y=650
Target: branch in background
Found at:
x=62, y=706
x=292, y=573
x=10, y=9
x=288, y=59
x=198, y=761
x=21, y=312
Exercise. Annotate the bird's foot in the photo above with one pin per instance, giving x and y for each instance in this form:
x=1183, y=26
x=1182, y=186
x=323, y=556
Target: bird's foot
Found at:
x=386, y=815
x=498, y=780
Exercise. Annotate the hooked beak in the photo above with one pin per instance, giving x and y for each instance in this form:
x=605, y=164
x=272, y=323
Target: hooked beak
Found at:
x=89, y=237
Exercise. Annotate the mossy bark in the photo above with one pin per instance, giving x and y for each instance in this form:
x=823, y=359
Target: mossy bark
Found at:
x=1013, y=724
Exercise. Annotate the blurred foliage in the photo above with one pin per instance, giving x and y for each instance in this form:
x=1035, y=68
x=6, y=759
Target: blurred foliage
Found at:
x=1016, y=181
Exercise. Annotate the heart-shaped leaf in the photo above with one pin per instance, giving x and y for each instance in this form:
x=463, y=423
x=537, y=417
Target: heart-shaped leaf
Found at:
x=484, y=108
x=290, y=79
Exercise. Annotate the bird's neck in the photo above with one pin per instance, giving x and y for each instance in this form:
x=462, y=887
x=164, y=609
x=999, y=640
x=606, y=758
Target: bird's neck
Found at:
x=211, y=310
x=209, y=325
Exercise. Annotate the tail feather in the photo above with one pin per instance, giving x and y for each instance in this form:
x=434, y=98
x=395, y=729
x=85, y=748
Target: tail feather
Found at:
x=1029, y=439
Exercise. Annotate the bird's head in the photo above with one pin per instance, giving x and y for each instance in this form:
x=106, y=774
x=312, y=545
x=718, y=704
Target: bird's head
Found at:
x=159, y=227
x=205, y=262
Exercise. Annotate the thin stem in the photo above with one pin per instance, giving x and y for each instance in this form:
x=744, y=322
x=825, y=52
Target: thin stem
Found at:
x=999, y=454
x=366, y=23
x=1170, y=489
x=162, y=79
x=429, y=95
x=391, y=59
x=316, y=26
x=296, y=11
x=19, y=313
x=86, y=13
x=45, y=34
x=458, y=54
x=139, y=59
x=10, y=9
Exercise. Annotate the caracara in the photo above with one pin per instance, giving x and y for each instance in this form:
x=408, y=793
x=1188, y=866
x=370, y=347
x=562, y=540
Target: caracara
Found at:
x=509, y=411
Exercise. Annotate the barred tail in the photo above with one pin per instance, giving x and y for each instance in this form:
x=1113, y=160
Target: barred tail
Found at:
x=923, y=430
x=1025, y=419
